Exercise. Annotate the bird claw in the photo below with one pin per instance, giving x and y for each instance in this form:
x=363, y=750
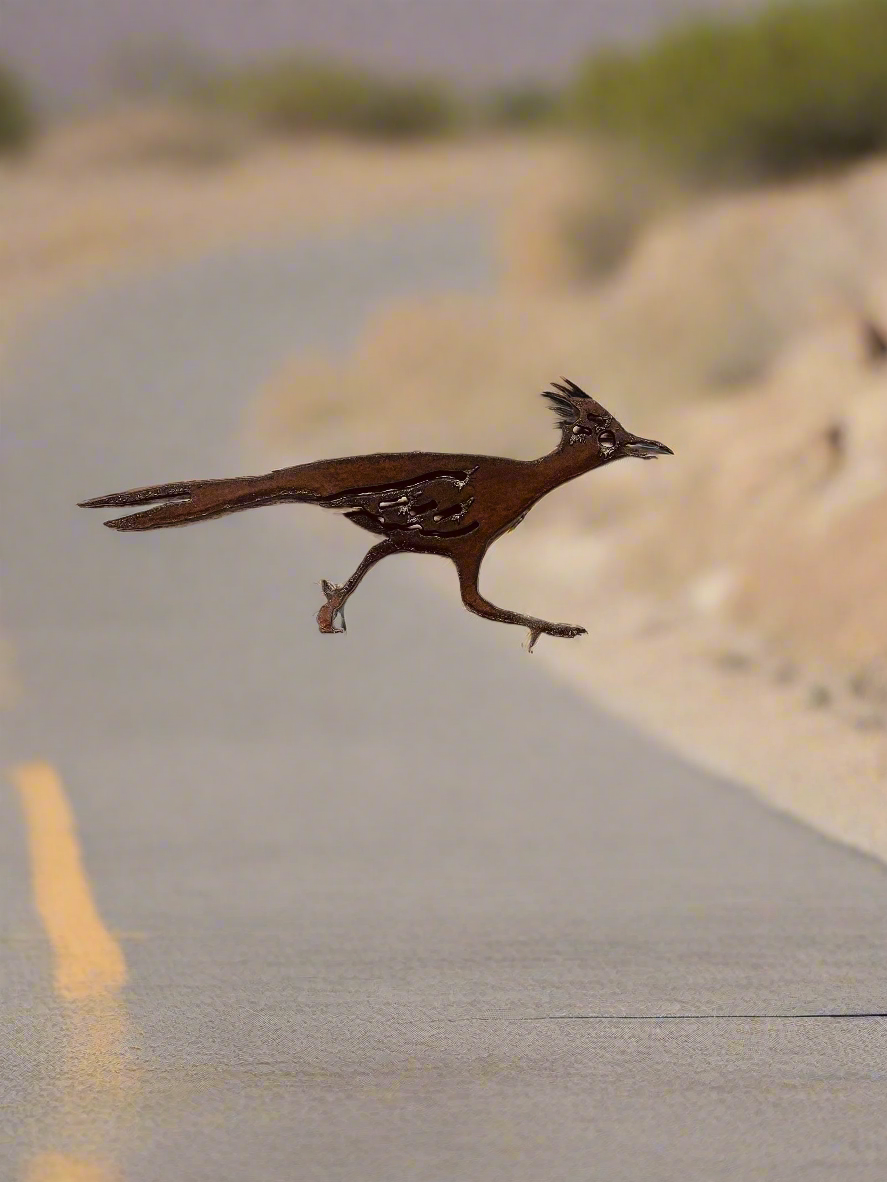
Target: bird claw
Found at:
x=326, y=617
x=568, y=631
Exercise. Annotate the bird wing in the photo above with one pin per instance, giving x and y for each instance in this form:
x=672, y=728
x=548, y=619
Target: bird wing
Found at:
x=435, y=505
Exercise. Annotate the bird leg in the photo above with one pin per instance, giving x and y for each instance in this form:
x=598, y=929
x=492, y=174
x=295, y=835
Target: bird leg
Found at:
x=337, y=596
x=469, y=569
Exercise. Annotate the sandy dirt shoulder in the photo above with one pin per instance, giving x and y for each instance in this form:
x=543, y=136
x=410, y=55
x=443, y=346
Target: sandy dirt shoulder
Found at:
x=797, y=737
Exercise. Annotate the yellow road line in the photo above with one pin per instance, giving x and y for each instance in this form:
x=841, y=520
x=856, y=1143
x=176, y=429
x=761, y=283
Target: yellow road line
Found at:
x=88, y=960
x=59, y=1167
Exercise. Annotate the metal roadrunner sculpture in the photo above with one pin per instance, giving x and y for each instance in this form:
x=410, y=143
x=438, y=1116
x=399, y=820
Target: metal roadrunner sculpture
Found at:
x=455, y=506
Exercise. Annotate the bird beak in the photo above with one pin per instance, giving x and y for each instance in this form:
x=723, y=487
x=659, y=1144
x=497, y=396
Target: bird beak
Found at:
x=646, y=449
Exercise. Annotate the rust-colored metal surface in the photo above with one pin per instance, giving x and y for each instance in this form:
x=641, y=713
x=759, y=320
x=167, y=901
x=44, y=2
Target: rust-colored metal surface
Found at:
x=451, y=505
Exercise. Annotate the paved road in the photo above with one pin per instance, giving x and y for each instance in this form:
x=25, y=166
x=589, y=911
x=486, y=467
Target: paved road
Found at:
x=372, y=890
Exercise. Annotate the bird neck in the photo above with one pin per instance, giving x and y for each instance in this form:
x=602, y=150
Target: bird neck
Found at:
x=566, y=462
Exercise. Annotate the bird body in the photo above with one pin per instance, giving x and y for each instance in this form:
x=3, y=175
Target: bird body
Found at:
x=420, y=502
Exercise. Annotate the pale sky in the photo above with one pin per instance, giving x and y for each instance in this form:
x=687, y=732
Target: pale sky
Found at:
x=62, y=45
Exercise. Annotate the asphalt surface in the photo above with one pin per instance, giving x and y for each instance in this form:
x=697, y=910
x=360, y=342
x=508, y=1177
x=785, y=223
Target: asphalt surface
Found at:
x=395, y=908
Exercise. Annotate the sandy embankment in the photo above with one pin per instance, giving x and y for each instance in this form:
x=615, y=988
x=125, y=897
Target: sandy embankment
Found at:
x=735, y=596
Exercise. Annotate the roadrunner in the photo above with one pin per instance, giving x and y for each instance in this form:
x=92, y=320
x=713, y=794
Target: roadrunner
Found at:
x=455, y=506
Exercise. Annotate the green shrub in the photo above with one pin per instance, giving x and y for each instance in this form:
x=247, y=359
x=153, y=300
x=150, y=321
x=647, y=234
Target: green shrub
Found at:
x=297, y=96
x=624, y=193
x=16, y=118
x=800, y=86
x=521, y=107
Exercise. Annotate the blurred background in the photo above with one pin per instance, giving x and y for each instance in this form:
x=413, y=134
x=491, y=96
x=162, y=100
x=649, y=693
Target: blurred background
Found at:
x=243, y=234
x=690, y=218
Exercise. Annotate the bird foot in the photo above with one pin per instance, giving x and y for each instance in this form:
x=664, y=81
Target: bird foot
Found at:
x=334, y=606
x=565, y=630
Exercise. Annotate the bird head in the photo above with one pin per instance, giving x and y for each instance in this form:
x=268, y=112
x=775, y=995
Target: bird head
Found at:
x=588, y=425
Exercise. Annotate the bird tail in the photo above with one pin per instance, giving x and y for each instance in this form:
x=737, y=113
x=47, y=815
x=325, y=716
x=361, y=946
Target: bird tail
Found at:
x=183, y=502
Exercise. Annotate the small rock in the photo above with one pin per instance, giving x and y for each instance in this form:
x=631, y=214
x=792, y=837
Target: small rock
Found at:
x=654, y=626
x=733, y=661
x=869, y=722
x=819, y=696
x=864, y=684
x=785, y=673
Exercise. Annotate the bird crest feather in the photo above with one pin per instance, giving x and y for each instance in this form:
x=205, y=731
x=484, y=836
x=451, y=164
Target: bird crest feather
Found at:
x=570, y=403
